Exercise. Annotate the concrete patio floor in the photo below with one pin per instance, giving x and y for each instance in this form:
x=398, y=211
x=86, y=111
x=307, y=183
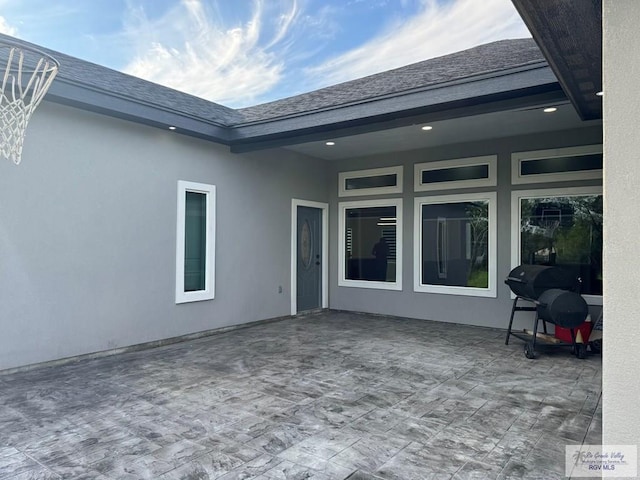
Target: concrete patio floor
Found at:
x=327, y=396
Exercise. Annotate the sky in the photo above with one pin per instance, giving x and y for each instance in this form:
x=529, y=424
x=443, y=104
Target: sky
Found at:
x=244, y=52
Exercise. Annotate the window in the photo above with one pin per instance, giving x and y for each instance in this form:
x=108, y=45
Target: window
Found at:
x=561, y=227
x=459, y=173
x=557, y=165
x=376, y=181
x=195, y=241
x=455, y=244
x=370, y=240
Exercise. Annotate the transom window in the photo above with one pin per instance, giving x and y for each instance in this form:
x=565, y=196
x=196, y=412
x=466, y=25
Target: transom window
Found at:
x=556, y=165
x=375, y=181
x=457, y=173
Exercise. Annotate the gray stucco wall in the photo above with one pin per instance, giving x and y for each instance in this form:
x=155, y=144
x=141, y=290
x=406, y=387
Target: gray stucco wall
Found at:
x=87, y=234
x=88, y=227
x=621, y=69
x=491, y=312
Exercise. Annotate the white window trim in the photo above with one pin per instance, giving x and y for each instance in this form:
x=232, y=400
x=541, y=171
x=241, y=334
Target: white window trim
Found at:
x=518, y=157
x=516, y=195
x=209, y=292
x=491, y=181
x=373, y=172
x=418, y=286
x=342, y=208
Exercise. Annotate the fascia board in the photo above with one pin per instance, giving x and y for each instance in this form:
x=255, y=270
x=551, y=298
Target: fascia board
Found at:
x=108, y=103
x=428, y=98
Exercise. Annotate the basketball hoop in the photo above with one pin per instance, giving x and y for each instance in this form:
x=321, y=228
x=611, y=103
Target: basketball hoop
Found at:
x=550, y=223
x=26, y=75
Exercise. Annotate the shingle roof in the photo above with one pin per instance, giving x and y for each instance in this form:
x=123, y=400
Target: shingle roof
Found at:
x=79, y=76
x=96, y=77
x=490, y=58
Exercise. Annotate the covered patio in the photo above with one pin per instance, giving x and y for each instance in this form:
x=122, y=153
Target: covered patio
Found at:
x=333, y=395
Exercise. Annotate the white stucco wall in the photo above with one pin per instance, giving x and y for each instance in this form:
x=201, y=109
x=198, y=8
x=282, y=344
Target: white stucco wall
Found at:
x=621, y=69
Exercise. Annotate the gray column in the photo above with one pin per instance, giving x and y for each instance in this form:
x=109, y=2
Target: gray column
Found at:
x=621, y=374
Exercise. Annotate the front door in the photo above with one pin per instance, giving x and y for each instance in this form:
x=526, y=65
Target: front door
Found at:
x=309, y=261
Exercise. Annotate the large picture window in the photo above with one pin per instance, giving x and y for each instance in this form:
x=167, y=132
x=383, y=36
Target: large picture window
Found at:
x=370, y=252
x=195, y=242
x=561, y=227
x=455, y=244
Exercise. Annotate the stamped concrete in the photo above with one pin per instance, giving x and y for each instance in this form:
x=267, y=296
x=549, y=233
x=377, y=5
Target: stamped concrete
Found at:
x=328, y=396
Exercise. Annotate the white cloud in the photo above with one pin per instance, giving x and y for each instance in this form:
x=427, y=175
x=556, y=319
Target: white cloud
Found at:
x=6, y=28
x=285, y=22
x=269, y=54
x=439, y=29
x=190, y=50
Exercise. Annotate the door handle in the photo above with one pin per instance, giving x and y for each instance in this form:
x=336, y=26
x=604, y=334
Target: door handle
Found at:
x=317, y=263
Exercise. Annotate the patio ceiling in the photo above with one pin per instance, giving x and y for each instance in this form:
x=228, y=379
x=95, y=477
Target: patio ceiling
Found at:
x=484, y=126
x=569, y=34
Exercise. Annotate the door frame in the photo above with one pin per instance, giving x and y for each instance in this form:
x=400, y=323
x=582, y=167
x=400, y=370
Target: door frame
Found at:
x=324, y=208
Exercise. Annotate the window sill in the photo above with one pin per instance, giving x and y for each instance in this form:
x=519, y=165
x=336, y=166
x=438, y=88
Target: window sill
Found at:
x=460, y=291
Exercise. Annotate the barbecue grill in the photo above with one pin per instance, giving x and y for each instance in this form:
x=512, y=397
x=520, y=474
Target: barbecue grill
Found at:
x=553, y=291
x=530, y=281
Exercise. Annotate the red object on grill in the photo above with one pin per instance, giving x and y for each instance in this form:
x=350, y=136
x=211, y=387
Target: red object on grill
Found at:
x=564, y=334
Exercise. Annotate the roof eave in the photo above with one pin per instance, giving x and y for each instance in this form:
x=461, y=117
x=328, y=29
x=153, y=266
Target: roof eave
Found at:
x=519, y=88
x=569, y=34
x=69, y=93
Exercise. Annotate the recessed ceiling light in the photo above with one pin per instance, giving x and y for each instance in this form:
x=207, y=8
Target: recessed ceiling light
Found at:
x=172, y=127
x=550, y=109
x=330, y=144
x=427, y=127
x=600, y=93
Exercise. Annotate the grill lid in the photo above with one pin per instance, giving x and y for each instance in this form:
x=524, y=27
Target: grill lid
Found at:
x=562, y=308
x=530, y=281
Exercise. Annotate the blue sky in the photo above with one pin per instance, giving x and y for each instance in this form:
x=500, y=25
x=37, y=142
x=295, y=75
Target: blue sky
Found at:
x=244, y=52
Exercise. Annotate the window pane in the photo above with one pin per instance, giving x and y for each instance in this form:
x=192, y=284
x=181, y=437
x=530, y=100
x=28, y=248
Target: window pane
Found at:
x=455, y=244
x=565, y=232
x=471, y=172
x=371, y=182
x=370, y=244
x=195, y=242
x=579, y=163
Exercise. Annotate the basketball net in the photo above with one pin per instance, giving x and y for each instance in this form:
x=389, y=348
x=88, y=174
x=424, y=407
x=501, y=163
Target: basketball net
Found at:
x=550, y=227
x=26, y=76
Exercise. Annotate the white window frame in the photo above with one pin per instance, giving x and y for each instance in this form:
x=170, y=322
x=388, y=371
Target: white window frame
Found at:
x=373, y=172
x=209, y=291
x=490, y=181
x=517, y=158
x=418, y=286
x=342, y=208
x=517, y=195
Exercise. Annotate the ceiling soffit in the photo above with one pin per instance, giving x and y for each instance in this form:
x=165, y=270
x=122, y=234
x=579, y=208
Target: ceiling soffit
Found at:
x=569, y=33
